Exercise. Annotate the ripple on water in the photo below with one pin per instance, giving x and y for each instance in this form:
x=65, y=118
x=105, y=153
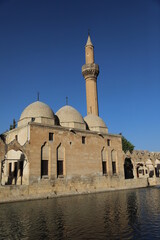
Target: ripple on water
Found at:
x=132, y=214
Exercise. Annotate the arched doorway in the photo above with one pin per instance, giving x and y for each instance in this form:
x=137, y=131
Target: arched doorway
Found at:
x=157, y=168
x=15, y=169
x=128, y=169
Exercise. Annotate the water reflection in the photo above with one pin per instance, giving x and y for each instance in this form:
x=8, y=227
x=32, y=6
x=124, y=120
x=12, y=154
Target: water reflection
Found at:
x=133, y=214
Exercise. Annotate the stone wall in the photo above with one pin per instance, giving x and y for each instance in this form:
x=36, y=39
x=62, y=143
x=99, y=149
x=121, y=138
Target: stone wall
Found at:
x=63, y=187
x=79, y=159
x=145, y=164
x=140, y=155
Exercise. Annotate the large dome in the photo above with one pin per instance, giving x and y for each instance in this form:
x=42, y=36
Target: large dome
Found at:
x=38, y=112
x=37, y=109
x=70, y=117
x=95, y=123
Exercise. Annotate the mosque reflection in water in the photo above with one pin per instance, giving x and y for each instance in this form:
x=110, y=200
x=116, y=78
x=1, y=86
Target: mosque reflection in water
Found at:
x=132, y=214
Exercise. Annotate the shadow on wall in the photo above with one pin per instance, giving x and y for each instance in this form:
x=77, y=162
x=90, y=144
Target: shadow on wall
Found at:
x=16, y=171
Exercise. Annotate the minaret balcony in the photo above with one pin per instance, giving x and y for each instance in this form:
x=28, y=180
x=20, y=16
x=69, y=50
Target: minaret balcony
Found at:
x=90, y=70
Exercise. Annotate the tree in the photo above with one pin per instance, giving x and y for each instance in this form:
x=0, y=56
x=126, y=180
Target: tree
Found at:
x=127, y=145
x=14, y=123
x=12, y=126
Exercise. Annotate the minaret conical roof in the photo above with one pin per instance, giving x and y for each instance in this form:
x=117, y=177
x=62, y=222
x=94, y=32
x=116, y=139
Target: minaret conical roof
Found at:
x=89, y=43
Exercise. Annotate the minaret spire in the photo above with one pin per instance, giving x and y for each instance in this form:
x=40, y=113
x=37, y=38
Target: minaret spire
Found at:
x=89, y=43
x=89, y=51
x=90, y=72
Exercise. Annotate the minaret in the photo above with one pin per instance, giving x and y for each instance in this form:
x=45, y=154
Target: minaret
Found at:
x=90, y=72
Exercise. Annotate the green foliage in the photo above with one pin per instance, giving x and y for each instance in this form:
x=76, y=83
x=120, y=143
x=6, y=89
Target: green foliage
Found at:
x=13, y=125
x=127, y=145
x=3, y=137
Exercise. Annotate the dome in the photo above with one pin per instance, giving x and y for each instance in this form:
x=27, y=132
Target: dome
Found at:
x=37, y=112
x=70, y=117
x=95, y=123
x=37, y=109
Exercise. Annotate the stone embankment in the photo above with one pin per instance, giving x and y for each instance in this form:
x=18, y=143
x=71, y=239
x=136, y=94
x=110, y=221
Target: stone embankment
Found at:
x=62, y=187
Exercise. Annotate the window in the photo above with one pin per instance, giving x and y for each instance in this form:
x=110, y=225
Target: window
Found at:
x=33, y=119
x=44, y=167
x=104, y=168
x=114, y=167
x=50, y=136
x=59, y=168
x=60, y=161
x=114, y=160
x=44, y=160
x=108, y=142
x=83, y=140
x=16, y=137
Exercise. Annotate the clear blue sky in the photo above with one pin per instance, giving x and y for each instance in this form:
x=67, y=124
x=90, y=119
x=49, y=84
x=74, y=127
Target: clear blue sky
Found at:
x=42, y=49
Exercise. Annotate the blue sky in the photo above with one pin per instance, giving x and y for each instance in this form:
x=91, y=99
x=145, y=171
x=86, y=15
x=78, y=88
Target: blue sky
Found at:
x=42, y=49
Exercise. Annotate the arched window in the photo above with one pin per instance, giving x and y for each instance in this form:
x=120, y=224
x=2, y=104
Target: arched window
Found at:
x=104, y=161
x=114, y=161
x=44, y=160
x=60, y=161
x=140, y=170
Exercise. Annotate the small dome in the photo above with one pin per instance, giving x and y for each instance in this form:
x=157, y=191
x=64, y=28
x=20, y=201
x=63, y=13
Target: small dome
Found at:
x=37, y=112
x=95, y=123
x=70, y=117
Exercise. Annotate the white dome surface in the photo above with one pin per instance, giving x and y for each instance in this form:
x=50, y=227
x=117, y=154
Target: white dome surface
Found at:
x=70, y=117
x=95, y=123
x=37, y=109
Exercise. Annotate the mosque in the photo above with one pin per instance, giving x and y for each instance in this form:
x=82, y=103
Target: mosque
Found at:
x=65, y=151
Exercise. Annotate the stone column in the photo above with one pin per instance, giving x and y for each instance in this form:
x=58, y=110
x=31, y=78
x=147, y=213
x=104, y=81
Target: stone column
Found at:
x=135, y=171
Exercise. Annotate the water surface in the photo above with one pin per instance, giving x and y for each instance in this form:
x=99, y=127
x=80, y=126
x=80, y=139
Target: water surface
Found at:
x=130, y=214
